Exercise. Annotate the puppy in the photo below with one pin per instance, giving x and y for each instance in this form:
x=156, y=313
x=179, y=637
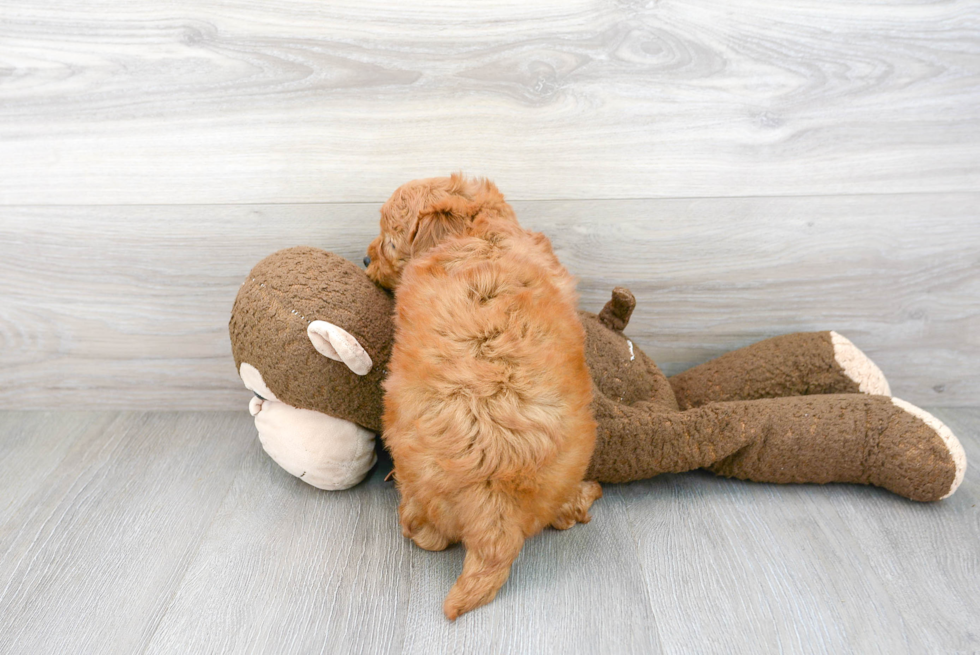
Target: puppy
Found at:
x=487, y=398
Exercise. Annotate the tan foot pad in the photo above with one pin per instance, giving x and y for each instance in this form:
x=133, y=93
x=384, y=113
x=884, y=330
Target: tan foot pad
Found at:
x=859, y=367
x=956, y=451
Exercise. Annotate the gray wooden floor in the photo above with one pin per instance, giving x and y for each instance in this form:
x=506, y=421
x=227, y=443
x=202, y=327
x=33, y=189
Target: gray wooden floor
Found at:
x=141, y=532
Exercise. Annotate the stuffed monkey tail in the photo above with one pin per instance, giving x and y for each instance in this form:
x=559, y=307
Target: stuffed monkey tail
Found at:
x=485, y=570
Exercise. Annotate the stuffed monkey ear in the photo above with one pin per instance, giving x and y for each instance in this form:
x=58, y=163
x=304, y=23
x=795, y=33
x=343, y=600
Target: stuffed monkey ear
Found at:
x=339, y=344
x=441, y=220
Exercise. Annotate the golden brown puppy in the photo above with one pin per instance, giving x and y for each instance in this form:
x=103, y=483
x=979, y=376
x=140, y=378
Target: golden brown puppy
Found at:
x=487, y=399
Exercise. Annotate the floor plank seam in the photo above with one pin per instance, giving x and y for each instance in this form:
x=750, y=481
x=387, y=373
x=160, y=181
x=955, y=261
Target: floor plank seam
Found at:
x=635, y=542
x=192, y=557
x=34, y=550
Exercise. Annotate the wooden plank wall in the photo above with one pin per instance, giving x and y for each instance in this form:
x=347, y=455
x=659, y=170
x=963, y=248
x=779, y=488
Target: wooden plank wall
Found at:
x=747, y=168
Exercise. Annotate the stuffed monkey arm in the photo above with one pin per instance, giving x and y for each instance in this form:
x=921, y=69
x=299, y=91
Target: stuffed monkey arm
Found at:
x=804, y=363
x=639, y=441
x=821, y=438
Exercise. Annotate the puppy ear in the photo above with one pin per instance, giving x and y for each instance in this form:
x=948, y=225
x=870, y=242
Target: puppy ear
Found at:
x=441, y=220
x=339, y=344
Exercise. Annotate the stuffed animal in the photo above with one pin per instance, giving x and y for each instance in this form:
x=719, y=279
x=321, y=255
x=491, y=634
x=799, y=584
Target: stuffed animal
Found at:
x=311, y=336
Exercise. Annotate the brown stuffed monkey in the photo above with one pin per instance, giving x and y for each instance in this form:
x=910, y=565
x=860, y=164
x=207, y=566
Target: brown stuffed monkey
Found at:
x=311, y=336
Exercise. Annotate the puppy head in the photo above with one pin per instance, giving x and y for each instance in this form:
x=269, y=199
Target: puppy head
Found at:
x=421, y=214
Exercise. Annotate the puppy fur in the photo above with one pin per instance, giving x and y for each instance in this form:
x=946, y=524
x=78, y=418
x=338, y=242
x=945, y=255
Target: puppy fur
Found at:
x=487, y=398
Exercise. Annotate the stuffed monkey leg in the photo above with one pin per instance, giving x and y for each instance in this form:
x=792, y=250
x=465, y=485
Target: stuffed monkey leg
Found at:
x=805, y=363
x=849, y=438
x=822, y=438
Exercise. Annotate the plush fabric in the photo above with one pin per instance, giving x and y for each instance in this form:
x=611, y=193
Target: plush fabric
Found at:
x=794, y=408
x=283, y=294
x=319, y=449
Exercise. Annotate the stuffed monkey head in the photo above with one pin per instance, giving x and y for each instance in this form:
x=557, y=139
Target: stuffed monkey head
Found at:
x=311, y=336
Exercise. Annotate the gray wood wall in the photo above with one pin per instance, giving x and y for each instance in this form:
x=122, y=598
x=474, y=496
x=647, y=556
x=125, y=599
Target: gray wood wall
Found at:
x=747, y=168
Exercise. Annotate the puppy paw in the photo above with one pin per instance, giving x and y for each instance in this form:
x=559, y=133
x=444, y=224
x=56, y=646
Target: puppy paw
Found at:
x=576, y=509
x=418, y=528
x=427, y=537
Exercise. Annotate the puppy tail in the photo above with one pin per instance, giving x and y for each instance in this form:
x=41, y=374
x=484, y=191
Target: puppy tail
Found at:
x=485, y=570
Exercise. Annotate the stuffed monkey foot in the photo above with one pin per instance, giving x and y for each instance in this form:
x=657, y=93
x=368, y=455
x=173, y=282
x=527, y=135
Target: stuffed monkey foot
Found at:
x=858, y=367
x=823, y=438
x=949, y=439
x=874, y=440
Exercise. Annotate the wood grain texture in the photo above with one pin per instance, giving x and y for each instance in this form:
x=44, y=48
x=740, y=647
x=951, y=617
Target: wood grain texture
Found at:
x=31, y=451
x=577, y=591
x=90, y=559
x=755, y=561
x=174, y=533
x=924, y=565
x=286, y=568
x=304, y=101
x=127, y=307
x=811, y=569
